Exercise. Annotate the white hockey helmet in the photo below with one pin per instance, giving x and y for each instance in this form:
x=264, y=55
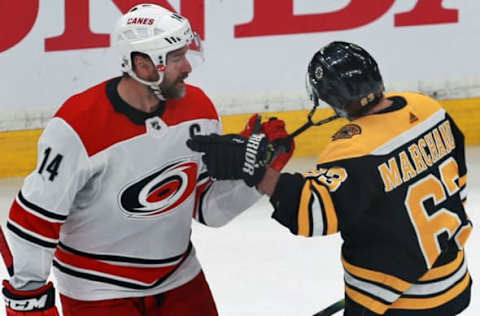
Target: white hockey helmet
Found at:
x=154, y=31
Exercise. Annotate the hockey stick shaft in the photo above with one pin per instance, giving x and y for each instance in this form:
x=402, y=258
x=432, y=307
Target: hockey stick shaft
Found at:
x=310, y=123
x=6, y=253
x=283, y=144
x=332, y=309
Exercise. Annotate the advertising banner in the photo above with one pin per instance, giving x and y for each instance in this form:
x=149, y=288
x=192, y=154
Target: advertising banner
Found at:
x=256, y=50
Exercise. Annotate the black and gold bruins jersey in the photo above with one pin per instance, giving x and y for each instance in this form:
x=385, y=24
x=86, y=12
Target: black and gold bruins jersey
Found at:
x=394, y=185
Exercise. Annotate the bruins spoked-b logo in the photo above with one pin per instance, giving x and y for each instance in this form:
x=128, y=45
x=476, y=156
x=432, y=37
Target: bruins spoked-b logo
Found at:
x=160, y=191
x=347, y=131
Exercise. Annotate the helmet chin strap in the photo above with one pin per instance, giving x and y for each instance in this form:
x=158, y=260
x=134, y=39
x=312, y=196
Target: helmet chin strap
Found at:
x=153, y=85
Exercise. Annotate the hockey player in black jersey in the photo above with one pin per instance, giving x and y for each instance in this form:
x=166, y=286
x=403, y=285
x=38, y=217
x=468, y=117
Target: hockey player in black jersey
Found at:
x=392, y=181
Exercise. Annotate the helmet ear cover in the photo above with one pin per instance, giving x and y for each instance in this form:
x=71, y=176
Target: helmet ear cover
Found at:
x=346, y=77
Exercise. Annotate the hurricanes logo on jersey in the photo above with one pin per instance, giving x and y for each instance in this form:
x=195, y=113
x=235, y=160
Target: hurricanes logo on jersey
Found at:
x=160, y=191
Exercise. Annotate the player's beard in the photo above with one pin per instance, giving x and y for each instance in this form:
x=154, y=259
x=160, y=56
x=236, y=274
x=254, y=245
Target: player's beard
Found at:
x=175, y=89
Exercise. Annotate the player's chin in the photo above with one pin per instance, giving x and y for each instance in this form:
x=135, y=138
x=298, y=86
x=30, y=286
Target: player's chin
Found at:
x=176, y=92
x=180, y=85
x=180, y=89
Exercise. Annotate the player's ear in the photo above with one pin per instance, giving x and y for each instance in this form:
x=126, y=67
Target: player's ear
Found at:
x=142, y=64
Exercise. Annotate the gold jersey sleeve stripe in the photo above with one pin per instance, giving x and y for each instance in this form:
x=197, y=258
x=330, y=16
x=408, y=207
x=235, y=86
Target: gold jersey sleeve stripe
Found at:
x=432, y=302
x=443, y=271
x=304, y=211
x=331, y=214
x=378, y=277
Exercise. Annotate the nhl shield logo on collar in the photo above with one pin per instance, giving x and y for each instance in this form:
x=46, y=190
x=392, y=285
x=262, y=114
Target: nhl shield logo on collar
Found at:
x=155, y=126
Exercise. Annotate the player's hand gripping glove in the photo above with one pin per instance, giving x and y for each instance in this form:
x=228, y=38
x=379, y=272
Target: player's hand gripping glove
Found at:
x=283, y=147
x=245, y=156
x=40, y=302
x=253, y=126
x=232, y=156
x=275, y=131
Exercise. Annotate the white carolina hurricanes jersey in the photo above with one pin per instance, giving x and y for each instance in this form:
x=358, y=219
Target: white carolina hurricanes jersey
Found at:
x=111, y=200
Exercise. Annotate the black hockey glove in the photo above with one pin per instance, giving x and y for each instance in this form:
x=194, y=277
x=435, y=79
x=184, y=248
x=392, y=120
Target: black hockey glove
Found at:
x=40, y=302
x=232, y=156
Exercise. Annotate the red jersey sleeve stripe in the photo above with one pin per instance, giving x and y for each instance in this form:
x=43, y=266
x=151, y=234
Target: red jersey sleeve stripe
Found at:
x=33, y=223
x=30, y=237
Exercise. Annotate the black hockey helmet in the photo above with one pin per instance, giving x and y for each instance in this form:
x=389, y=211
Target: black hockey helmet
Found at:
x=346, y=77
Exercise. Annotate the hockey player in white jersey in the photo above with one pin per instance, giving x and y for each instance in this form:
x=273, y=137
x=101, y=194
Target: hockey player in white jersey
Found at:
x=115, y=189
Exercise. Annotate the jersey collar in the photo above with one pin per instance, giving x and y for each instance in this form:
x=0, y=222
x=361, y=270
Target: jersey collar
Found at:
x=136, y=116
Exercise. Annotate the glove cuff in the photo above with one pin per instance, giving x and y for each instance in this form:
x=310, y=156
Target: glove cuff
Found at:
x=29, y=301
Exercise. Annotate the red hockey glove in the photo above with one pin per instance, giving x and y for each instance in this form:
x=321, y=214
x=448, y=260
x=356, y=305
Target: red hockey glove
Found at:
x=40, y=302
x=274, y=129
x=252, y=124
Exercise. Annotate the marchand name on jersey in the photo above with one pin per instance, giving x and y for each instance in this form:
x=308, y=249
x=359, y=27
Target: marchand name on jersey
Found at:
x=421, y=154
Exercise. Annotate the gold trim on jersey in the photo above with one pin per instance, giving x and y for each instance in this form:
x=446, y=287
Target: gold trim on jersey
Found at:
x=377, y=277
x=316, y=212
x=376, y=139
x=304, y=212
x=365, y=300
x=331, y=214
x=379, y=292
x=435, y=301
x=442, y=271
x=462, y=235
